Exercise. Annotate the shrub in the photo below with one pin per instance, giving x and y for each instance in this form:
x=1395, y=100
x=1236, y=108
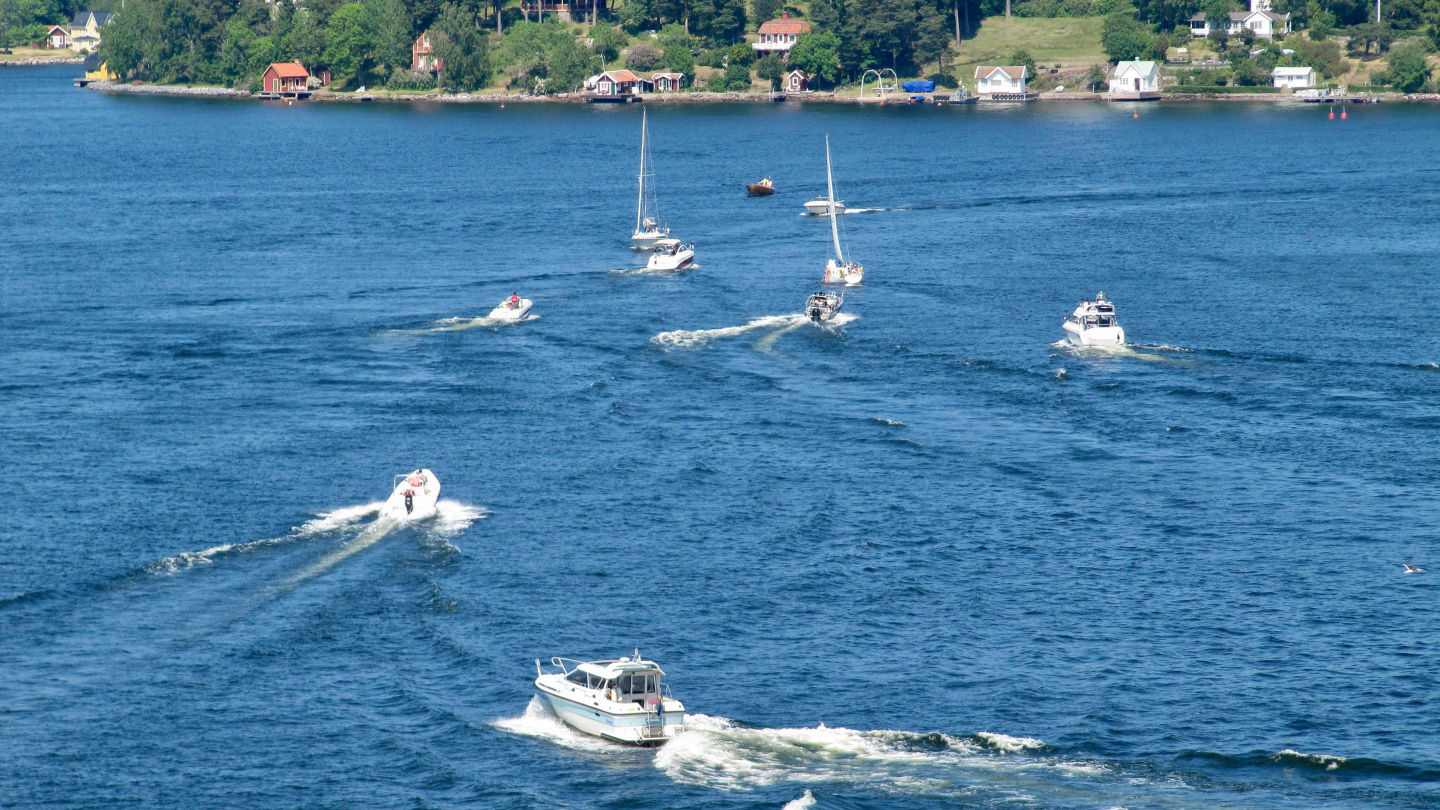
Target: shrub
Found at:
x=1408, y=71
x=410, y=80
x=944, y=80
x=642, y=56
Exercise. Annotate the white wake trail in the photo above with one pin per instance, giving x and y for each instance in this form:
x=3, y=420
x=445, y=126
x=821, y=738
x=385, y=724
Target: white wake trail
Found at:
x=458, y=325
x=686, y=338
x=320, y=524
x=541, y=723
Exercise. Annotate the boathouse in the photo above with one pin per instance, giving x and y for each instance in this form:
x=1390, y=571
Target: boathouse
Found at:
x=422, y=56
x=667, y=82
x=1001, y=83
x=285, y=78
x=620, y=83
x=1134, y=81
x=1294, y=77
x=778, y=36
x=57, y=37
x=796, y=81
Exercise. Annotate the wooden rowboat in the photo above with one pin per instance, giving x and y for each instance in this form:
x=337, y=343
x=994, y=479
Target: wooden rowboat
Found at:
x=759, y=189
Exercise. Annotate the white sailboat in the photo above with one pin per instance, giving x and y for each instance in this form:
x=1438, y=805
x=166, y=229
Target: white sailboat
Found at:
x=647, y=230
x=838, y=270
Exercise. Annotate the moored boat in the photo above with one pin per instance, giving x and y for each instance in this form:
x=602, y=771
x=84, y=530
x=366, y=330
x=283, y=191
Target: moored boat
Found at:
x=413, y=496
x=1093, y=323
x=671, y=254
x=623, y=700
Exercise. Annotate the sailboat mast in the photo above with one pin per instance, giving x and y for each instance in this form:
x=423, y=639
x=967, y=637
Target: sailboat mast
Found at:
x=830, y=184
x=640, y=201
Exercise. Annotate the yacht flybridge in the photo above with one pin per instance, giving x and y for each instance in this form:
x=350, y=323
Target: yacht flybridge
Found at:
x=621, y=700
x=647, y=230
x=1093, y=323
x=837, y=269
x=671, y=254
x=413, y=497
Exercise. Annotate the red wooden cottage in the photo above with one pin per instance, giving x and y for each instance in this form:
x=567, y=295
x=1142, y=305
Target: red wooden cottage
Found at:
x=285, y=77
x=422, y=56
x=667, y=82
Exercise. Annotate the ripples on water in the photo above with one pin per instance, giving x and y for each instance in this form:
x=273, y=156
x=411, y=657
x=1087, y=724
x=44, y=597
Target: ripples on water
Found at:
x=924, y=558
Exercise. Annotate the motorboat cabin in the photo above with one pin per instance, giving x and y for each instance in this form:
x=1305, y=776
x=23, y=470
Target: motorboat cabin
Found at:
x=624, y=700
x=820, y=206
x=1093, y=323
x=671, y=254
x=413, y=497
x=823, y=306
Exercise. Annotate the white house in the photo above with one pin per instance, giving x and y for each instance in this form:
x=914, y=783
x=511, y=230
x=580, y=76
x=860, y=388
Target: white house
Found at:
x=778, y=36
x=1296, y=77
x=1001, y=81
x=1259, y=19
x=1135, y=81
x=85, y=30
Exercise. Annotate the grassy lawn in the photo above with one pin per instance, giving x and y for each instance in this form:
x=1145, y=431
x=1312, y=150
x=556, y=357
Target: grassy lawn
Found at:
x=1070, y=41
x=16, y=54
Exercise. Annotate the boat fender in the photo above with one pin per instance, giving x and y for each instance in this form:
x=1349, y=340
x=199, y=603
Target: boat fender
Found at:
x=409, y=502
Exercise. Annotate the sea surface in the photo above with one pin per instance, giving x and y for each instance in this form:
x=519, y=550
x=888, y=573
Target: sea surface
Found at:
x=924, y=557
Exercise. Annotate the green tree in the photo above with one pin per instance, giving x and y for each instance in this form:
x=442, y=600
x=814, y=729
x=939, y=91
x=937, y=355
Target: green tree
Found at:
x=303, y=41
x=818, y=54
x=737, y=77
x=1024, y=58
x=677, y=59
x=770, y=68
x=1408, y=71
x=1123, y=37
x=740, y=53
x=932, y=43
x=348, y=42
x=390, y=27
x=1094, y=77
x=463, y=50
x=567, y=63
x=765, y=10
x=607, y=41
x=643, y=56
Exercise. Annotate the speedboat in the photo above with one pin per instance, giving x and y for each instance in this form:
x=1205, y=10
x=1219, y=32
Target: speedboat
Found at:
x=764, y=188
x=647, y=230
x=1093, y=323
x=621, y=700
x=820, y=206
x=839, y=269
x=413, y=498
x=671, y=254
x=513, y=308
x=822, y=306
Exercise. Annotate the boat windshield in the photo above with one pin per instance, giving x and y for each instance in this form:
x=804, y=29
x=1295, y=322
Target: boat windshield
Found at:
x=1100, y=320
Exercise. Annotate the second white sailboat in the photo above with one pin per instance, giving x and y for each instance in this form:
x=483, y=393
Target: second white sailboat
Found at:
x=838, y=270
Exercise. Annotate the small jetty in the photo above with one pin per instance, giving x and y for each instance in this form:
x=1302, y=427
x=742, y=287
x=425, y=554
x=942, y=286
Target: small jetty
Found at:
x=600, y=98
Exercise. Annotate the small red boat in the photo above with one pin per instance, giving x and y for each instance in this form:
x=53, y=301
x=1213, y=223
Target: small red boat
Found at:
x=764, y=188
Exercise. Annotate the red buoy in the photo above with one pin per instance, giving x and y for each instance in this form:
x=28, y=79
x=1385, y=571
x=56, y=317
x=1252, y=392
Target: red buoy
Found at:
x=1342, y=113
x=1137, y=115
x=1332, y=115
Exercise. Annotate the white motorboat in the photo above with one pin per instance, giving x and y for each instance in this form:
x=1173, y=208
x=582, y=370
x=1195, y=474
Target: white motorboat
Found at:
x=513, y=308
x=647, y=230
x=838, y=270
x=820, y=206
x=1093, y=323
x=671, y=254
x=413, y=498
x=621, y=700
x=822, y=306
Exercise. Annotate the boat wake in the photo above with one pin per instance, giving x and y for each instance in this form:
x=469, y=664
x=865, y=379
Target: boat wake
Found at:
x=682, y=338
x=1139, y=351
x=451, y=518
x=645, y=271
x=457, y=325
x=540, y=722
x=321, y=524
x=718, y=753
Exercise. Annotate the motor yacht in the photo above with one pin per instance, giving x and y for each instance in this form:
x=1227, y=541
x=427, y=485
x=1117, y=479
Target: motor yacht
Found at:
x=671, y=254
x=822, y=306
x=513, y=308
x=413, y=497
x=821, y=207
x=1093, y=323
x=622, y=700
x=839, y=269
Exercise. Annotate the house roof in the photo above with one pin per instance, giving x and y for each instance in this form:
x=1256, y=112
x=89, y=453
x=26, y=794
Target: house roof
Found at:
x=289, y=70
x=618, y=76
x=1199, y=17
x=802, y=73
x=1013, y=71
x=784, y=25
x=1292, y=71
x=1238, y=16
x=82, y=18
x=1144, y=68
x=55, y=28
x=654, y=76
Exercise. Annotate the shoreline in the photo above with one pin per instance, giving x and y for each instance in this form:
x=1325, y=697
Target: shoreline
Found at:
x=683, y=97
x=79, y=60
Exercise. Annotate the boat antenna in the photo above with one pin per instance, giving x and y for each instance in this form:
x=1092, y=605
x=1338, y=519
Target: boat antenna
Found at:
x=637, y=655
x=830, y=186
x=640, y=201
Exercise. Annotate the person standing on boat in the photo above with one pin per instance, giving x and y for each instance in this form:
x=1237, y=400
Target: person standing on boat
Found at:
x=514, y=300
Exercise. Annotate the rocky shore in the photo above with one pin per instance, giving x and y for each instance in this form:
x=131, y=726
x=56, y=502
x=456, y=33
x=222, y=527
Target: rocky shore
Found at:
x=17, y=62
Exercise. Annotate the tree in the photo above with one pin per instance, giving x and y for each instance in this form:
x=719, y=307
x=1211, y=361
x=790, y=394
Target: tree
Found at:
x=818, y=54
x=347, y=41
x=765, y=9
x=741, y=53
x=1094, y=77
x=933, y=41
x=389, y=24
x=607, y=41
x=1408, y=71
x=1024, y=58
x=462, y=50
x=1123, y=37
x=1160, y=46
x=771, y=69
x=643, y=56
x=737, y=77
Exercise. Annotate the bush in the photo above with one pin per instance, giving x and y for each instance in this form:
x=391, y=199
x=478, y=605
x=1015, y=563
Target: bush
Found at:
x=771, y=69
x=401, y=79
x=944, y=80
x=607, y=41
x=1408, y=71
x=737, y=77
x=712, y=58
x=642, y=56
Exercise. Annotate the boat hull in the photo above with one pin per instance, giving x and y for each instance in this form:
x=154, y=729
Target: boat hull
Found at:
x=679, y=261
x=1096, y=336
x=505, y=312
x=637, y=728
x=849, y=275
x=423, y=490
x=820, y=208
x=758, y=190
x=646, y=240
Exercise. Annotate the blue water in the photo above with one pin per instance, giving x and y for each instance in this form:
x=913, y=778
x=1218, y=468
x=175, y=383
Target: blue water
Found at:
x=999, y=572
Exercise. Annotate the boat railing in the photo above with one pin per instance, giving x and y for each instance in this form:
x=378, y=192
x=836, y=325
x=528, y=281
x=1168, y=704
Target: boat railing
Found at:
x=557, y=661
